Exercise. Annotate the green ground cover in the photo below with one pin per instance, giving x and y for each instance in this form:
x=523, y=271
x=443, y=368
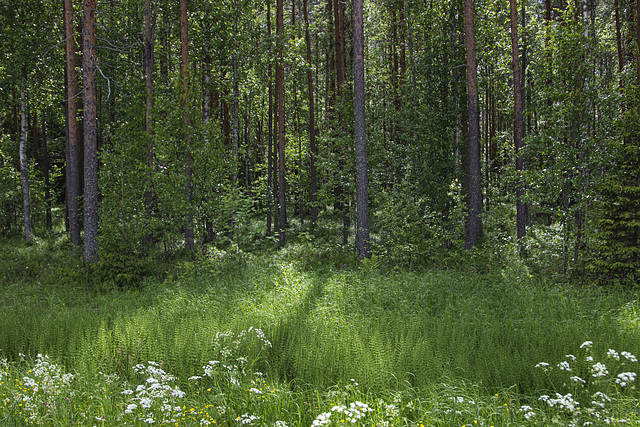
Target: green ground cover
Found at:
x=300, y=337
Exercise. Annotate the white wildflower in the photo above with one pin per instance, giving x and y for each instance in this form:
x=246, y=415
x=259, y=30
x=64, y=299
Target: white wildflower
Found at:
x=564, y=366
x=599, y=370
x=614, y=354
x=577, y=379
x=630, y=357
x=570, y=356
x=625, y=377
x=586, y=344
x=527, y=411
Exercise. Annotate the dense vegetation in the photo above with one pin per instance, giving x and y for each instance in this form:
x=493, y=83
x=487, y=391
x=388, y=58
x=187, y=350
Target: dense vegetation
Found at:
x=287, y=335
x=212, y=111
x=214, y=161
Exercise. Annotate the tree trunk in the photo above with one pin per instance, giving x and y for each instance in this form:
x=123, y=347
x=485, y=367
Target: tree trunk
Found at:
x=474, y=219
x=341, y=197
x=312, y=125
x=518, y=126
x=90, y=133
x=236, y=95
x=24, y=169
x=638, y=40
x=363, y=246
x=45, y=170
x=72, y=178
x=184, y=44
x=149, y=43
x=270, y=131
x=281, y=134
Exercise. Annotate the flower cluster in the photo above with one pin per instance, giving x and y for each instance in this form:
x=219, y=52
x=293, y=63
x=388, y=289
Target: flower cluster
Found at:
x=596, y=379
x=156, y=399
x=39, y=394
x=341, y=413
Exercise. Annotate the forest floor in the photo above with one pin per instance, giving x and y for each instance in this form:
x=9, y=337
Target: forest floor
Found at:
x=299, y=337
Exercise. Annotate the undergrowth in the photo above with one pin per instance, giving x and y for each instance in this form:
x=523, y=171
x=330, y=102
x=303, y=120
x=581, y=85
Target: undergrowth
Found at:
x=438, y=346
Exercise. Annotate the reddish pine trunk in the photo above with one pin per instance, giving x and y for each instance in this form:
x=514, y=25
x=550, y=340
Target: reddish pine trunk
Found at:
x=90, y=133
x=281, y=134
x=518, y=124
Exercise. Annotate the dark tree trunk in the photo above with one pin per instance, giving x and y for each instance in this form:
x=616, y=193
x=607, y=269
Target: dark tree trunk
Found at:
x=184, y=43
x=45, y=170
x=618, y=38
x=90, y=133
x=24, y=169
x=149, y=43
x=312, y=125
x=338, y=24
x=363, y=246
x=72, y=179
x=638, y=40
x=236, y=95
x=270, y=199
x=474, y=219
x=518, y=126
x=281, y=134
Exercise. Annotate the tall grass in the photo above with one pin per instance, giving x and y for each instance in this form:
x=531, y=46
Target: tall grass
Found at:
x=424, y=337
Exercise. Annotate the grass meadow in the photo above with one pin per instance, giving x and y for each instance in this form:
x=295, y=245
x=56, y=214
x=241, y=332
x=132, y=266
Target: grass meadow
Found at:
x=298, y=337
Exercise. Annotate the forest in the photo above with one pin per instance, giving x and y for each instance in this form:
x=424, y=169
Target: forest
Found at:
x=310, y=212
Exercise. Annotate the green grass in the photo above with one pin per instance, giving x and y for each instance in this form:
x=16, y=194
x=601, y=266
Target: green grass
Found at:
x=437, y=347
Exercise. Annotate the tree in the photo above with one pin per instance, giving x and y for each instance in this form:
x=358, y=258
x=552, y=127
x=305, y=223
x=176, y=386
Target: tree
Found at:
x=149, y=53
x=24, y=169
x=474, y=219
x=184, y=43
x=90, y=133
x=363, y=246
x=518, y=124
x=270, y=135
x=312, y=121
x=281, y=130
x=72, y=151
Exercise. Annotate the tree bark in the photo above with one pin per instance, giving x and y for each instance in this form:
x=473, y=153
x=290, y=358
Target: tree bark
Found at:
x=184, y=45
x=270, y=134
x=312, y=125
x=24, y=169
x=72, y=178
x=236, y=95
x=363, y=245
x=149, y=54
x=474, y=218
x=518, y=126
x=281, y=134
x=341, y=197
x=45, y=170
x=90, y=133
